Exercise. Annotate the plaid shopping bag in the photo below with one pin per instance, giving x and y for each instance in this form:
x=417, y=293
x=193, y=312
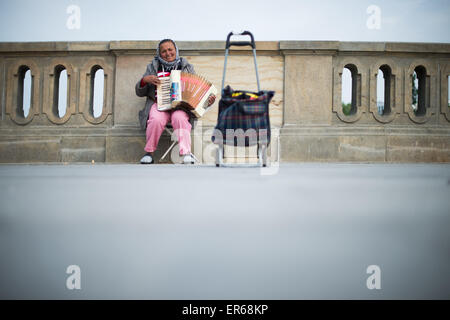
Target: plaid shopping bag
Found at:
x=243, y=118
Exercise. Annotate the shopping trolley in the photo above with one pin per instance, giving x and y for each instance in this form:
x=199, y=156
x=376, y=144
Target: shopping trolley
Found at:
x=243, y=117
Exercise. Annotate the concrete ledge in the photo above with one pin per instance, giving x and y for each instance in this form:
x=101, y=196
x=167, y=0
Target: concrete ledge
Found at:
x=297, y=143
x=418, y=149
x=28, y=150
x=367, y=144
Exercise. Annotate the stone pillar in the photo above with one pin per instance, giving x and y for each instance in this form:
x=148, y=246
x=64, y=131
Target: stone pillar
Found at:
x=308, y=89
x=308, y=82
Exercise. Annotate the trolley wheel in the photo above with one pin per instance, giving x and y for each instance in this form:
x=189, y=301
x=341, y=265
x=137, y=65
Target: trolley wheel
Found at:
x=262, y=154
x=219, y=155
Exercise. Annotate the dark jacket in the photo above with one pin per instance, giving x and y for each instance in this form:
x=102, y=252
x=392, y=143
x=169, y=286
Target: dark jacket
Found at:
x=149, y=89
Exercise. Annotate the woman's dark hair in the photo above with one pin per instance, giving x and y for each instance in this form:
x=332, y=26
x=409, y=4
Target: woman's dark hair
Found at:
x=166, y=40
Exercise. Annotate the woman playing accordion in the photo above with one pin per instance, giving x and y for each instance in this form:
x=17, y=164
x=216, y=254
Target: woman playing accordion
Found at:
x=154, y=121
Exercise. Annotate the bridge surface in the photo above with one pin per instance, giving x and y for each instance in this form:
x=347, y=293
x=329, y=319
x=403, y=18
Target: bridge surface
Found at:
x=304, y=231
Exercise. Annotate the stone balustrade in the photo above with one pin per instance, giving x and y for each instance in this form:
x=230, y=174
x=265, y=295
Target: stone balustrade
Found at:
x=307, y=118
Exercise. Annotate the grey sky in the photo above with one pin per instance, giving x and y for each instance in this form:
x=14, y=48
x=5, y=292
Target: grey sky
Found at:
x=344, y=20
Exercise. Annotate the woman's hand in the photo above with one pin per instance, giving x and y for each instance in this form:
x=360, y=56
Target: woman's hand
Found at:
x=152, y=79
x=211, y=99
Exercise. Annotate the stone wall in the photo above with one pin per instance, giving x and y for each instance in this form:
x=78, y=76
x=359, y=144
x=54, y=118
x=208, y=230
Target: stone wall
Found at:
x=307, y=119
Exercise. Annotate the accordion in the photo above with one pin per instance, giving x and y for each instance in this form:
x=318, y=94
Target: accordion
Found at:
x=185, y=90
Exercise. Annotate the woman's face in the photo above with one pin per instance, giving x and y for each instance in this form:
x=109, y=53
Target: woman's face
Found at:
x=167, y=51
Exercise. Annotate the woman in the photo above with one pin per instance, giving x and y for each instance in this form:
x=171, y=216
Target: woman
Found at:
x=153, y=120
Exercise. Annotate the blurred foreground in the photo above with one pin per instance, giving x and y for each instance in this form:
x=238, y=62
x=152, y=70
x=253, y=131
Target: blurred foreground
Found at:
x=199, y=232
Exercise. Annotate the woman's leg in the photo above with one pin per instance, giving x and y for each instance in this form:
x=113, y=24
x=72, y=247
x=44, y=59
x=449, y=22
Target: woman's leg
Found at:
x=156, y=123
x=182, y=127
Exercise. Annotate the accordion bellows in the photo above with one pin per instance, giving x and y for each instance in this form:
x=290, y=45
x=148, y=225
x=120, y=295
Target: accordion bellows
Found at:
x=186, y=90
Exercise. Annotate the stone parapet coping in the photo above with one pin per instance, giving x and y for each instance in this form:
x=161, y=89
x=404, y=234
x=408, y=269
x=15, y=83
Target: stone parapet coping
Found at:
x=366, y=46
x=139, y=46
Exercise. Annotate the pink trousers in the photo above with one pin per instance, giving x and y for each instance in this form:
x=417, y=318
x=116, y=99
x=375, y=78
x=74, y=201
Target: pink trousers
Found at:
x=156, y=123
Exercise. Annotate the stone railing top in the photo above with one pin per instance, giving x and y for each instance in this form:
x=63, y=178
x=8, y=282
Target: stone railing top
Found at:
x=11, y=47
x=142, y=46
x=6, y=47
x=366, y=46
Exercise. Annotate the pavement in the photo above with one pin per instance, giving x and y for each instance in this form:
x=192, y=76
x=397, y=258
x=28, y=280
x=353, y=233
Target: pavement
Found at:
x=299, y=231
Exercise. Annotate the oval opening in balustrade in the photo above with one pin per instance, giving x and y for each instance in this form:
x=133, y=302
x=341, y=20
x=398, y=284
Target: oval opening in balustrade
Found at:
x=97, y=91
x=60, y=92
x=24, y=91
x=349, y=85
x=384, y=77
x=380, y=92
x=418, y=94
x=448, y=91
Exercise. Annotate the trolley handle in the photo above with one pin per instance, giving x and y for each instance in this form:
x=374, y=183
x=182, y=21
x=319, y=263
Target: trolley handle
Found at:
x=240, y=43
